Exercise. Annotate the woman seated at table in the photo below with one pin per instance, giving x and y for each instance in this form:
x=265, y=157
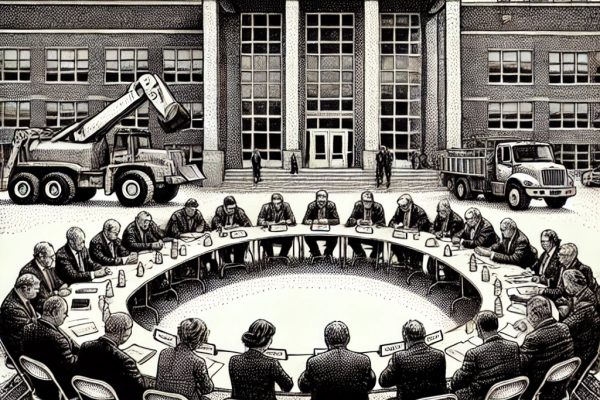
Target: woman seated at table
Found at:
x=253, y=374
x=180, y=370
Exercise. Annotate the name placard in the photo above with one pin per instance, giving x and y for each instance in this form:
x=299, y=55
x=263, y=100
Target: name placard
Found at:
x=278, y=354
x=207, y=348
x=165, y=337
x=278, y=228
x=434, y=337
x=398, y=234
x=318, y=351
x=320, y=227
x=364, y=229
x=238, y=234
x=391, y=348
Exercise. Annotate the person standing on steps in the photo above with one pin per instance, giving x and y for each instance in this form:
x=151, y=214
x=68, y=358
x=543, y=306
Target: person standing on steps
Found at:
x=256, y=159
x=384, y=160
x=294, y=165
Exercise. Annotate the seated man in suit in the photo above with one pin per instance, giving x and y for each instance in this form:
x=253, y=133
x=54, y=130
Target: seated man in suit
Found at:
x=322, y=212
x=277, y=212
x=102, y=359
x=73, y=262
x=187, y=220
x=16, y=312
x=547, y=267
x=514, y=248
x=495, y=360
x=44, y=342
x=337, y=374
x=143, y=234
x=478, y=231
x=366, y=212
x=418, y=371
x=230, y=216
x=42, y=267
x=106, y=248
x=549, y=343
x=446, y=224
x=409, y=216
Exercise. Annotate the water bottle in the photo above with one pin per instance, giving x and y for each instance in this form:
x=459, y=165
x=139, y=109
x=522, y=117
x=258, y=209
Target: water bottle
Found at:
x=447, y=251
x=183, y=250
x=174, y=250
x=121, y=282
x=140, y=270
x=158, y=259
x=473, y=263
x=208, y=241
x=109, y=290
x=497, y=287
x=498, y=307
x=485, y=274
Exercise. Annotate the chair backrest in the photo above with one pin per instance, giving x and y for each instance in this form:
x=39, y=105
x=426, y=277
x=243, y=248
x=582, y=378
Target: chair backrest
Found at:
x=441, y=397
x=511, y=389
x=42, y=378
x=585, y=372
x=152, y=394
x=560, y=373
x=93, y=389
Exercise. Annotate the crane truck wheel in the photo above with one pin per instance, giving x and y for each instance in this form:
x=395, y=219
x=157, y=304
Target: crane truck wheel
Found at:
x=57, y=188
x=24, y=188
x=517, y=198
x=555, y=202
x=166, y=193
x=134, y=188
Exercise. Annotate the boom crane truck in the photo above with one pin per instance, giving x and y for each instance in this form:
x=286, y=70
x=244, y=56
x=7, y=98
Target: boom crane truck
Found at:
x=70, y=164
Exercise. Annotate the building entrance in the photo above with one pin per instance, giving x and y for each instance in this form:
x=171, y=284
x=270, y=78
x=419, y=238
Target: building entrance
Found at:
x=328, y=149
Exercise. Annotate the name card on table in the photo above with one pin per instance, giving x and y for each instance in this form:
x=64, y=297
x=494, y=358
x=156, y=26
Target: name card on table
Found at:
x=398, y=234
x=364, y=229
x=278, y=228
x=238, y=234
x=318, y=351
x=320, y=227
x=278, y=354
x=165, y=337
x=434, y=337
x=391, y=348
x=207, y=348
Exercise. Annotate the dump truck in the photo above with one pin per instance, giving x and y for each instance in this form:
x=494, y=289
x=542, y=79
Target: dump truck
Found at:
x=72, y=163
x=510, y=169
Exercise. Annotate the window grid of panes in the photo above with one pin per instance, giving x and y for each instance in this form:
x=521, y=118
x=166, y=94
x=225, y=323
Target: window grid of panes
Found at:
x=261, y=94
x=510, y=66
x=125, y=65
x=568, y=67
x=400, y=83
x=509, y=115
x=196, y=111
x=63, y=113
x=569, y=115
x=329, y=62
x=15, y=65
x=67, y=65
x=182, y=65
x=138, y=118
x=15, y=114
x=577, y=156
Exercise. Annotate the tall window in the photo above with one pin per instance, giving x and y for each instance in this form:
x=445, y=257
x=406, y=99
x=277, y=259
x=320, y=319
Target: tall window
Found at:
x=577, y=156
x=125, y=65
x=568, y=67
x=65, y=112
x=67, y=65
x=510, y=66
x=15, y=64
x=517, y=116
x=137, y=119
x=260, y=69
x=196, y=111
x=400, y=80
x=182, y=65
x=569, y=115
x=15, y=114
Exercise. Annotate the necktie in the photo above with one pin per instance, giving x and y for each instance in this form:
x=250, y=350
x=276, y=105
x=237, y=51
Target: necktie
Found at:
x=30, y=309
x=407, y=219
x=544, y=264
x=80, y=262
x=472, y=233
x=112, y=249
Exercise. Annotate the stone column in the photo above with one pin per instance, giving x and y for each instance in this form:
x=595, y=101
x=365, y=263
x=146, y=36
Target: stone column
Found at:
x=292, y=122
x=431, y=100
x=453, y=75
x=371, y=83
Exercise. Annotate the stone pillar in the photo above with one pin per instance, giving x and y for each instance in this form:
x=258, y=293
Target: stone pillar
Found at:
x=213, y=160
x=453, y=75
x=432, y=82
x=292, y=121
x=371, y=83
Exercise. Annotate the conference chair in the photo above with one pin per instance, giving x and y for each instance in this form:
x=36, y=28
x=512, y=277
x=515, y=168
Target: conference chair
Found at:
x=370, y=248
x=580, y=381
x=92, y=389
x=554, y=385
x=448, y=396
x=223, y=266
x=152, y=394
x=511, y=389
x=45, y=385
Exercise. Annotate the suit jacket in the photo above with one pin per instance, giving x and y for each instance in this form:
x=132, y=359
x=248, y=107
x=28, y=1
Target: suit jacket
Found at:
x=256, y=160
x=312, y=213
x=551, y=275
x=484, y=236
x=133, y=240
x=67, y=268
x=102, y=359
x=417, y=372
x=101, y=253
x=253, y=376
x=559, y=290
x=495, y=360
x=377, y=214
x=239, y=218
x=514, y=250
x=454, y=227
x=583, y=321
x=418, y=218
x=180, y=223
x=47, y=288
x=338, y=374
x=384, y=159
x=267, y=214
x=183, y=372
x=15, y=314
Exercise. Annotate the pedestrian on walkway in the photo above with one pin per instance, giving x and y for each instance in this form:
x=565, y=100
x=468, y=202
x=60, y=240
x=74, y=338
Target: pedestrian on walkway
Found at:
x=384, y=160
x=294, y=165
x=256, y=160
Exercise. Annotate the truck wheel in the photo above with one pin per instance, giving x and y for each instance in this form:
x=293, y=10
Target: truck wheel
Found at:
x=165, y=194
x=555, y=202
x=84, y=194
x=134, y=188
x=462, y=190
x=450, y=185
x=24, y=188
x=57, y=189
x=517, y=198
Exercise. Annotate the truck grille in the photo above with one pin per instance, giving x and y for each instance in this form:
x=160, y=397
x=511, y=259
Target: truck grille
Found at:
x=553, y=177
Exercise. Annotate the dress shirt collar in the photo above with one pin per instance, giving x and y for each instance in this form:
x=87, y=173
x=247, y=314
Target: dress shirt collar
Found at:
x=107, y=240
x=75, y=252
x=492, y=338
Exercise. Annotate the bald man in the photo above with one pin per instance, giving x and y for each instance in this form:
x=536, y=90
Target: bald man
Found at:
x=514, y=248
x=73, y=262
x=106, y=248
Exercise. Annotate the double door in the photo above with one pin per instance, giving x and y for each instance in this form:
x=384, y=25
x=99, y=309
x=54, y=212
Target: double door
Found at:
x=328, y=149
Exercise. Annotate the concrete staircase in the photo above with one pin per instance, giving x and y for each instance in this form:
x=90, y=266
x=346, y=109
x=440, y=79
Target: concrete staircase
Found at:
x=309, y=179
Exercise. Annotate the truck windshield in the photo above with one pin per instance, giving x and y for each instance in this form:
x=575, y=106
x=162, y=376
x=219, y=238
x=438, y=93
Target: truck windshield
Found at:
x=532, y=153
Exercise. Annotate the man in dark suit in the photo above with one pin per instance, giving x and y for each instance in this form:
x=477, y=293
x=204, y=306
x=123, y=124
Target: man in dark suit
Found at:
x=16, y=312
x=549, y=343
x=494, y=361
x=230, y=216
x=106, y=247
x=143, y=234
x=409, y=216
x=338, y=373
x=256, y=166
x=514, y=248
x=102, y=359
x=186, y=220
x=478, y=231
x=44, y=342
x=447, y=223
x=419, y=371
x=366, y=212
x=547, y=267
x=323, y=212
x=384, y=160
x=73, y=262
x=277, y=212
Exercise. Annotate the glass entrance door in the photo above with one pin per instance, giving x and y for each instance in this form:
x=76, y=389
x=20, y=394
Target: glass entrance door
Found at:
x=328, y=149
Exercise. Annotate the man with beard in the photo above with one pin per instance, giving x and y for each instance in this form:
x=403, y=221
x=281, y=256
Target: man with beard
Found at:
x=324, y=212
x=277, y=212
